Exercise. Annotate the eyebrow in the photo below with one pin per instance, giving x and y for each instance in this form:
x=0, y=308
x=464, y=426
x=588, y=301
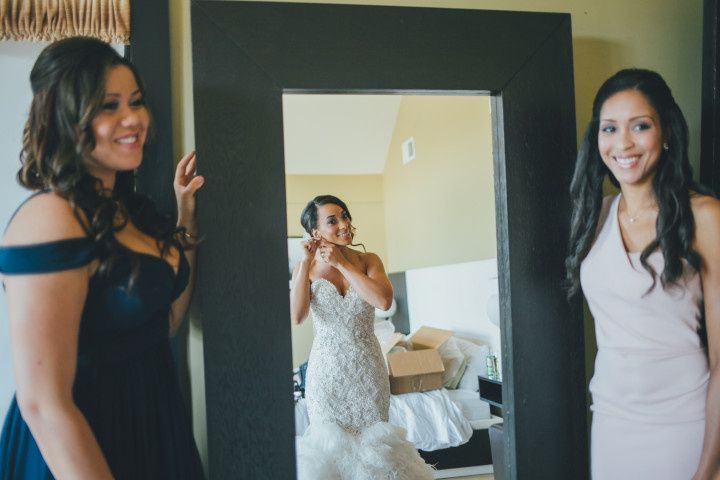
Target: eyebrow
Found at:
x=631, y=119
x=329, y=217
x=118, y=94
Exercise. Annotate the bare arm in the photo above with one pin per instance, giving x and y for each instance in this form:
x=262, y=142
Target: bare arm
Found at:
x=44, y=312
x=180, y=306
x=374, y=286
x=186, y=185
x=707, y=218
x=300, y=284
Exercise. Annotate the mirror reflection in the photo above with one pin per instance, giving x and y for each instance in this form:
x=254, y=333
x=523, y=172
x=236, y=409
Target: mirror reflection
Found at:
x=394, y=292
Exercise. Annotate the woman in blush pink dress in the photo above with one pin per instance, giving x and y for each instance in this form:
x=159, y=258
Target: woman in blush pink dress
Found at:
x=648, y=262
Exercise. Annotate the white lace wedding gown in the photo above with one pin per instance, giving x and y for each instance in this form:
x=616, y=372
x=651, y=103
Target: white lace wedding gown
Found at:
x=348, y=396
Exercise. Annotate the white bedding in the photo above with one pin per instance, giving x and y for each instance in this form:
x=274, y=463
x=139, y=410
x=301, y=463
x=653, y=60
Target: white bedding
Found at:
x=433, y=420
x=470, y=404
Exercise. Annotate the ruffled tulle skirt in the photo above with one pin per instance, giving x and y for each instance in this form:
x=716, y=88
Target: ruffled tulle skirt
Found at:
x=380, y=452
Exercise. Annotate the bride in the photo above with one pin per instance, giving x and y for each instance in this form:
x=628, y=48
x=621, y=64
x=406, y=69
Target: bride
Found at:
x=348, y=392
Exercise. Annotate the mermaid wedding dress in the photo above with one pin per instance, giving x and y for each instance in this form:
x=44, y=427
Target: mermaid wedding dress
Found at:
x=348, y=396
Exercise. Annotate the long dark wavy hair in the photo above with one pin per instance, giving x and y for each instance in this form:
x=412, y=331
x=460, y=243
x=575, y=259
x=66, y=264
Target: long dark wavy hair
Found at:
x=68, y=86
x=309, y=217
x=672, y=184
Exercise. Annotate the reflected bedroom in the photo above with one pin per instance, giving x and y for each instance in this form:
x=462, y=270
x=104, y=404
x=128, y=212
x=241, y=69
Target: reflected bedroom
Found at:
x=416, y=176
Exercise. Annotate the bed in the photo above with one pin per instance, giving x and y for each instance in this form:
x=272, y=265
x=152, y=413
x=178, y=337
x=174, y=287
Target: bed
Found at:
x=449, y=427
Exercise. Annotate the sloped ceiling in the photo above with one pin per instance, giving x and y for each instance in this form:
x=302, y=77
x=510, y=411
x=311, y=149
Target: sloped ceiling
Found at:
x=338, y=134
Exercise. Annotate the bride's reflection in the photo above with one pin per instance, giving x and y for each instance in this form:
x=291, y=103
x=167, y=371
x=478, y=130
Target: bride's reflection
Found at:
x=429, y=221
x=347, y=392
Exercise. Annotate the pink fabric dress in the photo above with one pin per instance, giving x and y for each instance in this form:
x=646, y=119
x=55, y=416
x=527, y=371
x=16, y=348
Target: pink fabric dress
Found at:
x=651, y=372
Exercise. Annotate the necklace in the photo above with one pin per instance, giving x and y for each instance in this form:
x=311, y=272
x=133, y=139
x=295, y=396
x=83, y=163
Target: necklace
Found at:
x=636, y=217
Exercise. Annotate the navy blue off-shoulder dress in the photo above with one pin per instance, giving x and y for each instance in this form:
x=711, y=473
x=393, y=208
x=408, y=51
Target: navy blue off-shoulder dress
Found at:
x=125, y=384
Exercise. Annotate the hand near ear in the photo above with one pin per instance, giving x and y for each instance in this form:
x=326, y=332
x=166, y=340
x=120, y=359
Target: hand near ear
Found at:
x=331, y=254
x=186, y=184
x=309, y=246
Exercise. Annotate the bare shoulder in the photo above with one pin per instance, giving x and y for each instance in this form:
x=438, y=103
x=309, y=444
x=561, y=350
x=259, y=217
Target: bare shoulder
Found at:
x=368, y=257
x=371, y=261
x=706, y=210
x=706, y=213
x=46, y=217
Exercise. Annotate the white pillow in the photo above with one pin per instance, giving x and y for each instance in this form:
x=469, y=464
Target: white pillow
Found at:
x=476, y=363
x=453, y=360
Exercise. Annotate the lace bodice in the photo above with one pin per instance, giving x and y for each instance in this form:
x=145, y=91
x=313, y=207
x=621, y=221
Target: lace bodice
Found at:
x=347, y=378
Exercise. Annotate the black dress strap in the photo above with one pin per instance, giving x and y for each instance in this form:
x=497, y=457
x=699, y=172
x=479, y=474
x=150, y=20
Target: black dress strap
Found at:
x=46, y=257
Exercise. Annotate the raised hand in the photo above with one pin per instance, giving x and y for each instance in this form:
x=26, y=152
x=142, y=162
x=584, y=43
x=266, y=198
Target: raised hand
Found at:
x=309, y=247
x=186, y=184
x=331, y=254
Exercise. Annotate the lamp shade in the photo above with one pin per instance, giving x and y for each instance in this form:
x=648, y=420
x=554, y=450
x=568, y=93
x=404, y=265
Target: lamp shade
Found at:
x=387, y=313
x=492, y=307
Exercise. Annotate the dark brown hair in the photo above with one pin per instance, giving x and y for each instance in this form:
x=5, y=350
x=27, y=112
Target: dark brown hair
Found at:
x=68, y=86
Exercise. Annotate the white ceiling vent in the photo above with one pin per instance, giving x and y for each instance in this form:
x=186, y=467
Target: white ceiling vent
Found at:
x=408, y=150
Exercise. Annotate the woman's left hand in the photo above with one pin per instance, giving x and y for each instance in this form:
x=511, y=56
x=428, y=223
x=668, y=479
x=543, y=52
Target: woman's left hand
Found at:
x=331, y=254
x=187, y=183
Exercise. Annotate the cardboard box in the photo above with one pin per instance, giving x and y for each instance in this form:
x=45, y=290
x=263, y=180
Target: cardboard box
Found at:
x=429, y=337
x=415, y=371
x=420, y=369
x=390, y=342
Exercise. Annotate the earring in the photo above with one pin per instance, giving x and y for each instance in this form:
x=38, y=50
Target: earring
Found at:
x=666, y=147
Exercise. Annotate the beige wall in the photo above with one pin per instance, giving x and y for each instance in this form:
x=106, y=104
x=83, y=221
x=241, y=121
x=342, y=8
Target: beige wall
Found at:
x=663, y=35
x=440, y=207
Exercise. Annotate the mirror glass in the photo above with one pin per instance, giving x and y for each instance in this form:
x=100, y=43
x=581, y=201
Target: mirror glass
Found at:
x=416, y=173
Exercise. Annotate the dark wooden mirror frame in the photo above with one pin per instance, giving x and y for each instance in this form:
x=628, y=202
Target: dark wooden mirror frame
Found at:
x=246, y=55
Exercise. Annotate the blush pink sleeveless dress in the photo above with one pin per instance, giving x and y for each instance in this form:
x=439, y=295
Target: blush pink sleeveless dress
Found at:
x=651, y=372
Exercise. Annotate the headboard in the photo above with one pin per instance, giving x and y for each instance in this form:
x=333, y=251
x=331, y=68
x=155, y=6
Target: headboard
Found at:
x=401, y=319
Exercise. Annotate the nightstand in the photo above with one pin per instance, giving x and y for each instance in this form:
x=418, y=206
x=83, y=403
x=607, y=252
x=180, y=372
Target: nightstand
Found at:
x=490, y=391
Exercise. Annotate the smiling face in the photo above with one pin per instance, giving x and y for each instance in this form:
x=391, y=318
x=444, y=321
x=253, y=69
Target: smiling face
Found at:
x=119, y=128
x=333, y=224
x=630, y=137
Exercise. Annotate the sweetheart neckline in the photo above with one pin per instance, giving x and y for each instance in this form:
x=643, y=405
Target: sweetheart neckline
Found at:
x=334, y=287
x=156, y=257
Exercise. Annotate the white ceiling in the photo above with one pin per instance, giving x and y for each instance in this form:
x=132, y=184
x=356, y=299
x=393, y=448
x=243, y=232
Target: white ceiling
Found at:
x=338, y=134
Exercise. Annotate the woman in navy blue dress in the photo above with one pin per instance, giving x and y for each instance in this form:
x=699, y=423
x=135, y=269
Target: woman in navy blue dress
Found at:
x=96, y=281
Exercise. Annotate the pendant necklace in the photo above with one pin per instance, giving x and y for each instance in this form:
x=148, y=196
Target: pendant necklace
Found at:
x=636, y=217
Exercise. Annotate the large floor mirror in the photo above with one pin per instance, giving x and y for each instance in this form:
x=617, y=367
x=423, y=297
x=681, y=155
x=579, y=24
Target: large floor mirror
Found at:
x=263, y=75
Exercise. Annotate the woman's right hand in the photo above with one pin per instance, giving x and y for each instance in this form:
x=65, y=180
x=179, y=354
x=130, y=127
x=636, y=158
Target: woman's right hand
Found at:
x=309, y=247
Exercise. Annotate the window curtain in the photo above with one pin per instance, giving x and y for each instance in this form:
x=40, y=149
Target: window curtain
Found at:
x=47, y=20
